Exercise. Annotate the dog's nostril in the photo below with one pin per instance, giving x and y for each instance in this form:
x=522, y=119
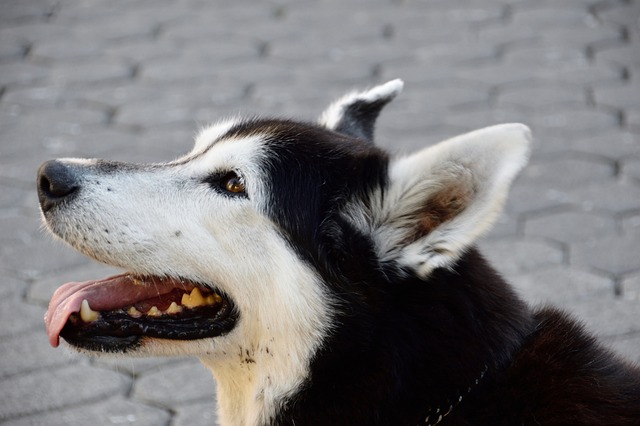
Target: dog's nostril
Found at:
x=56, y=181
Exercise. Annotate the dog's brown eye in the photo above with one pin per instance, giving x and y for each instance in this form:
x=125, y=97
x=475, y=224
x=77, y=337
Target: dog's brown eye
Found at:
x=234, y=183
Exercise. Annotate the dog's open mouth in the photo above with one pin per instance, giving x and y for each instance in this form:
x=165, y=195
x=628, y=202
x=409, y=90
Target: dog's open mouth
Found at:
x=114, y=314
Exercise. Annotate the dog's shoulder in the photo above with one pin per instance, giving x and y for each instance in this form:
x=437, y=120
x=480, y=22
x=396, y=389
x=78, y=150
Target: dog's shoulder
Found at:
x=563, y=375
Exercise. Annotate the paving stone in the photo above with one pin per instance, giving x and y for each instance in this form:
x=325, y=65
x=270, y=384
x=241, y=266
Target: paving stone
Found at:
x=21, y=226
x=86, y=11
x=457, y=53
x=475, y=119
x=158, y=144
x=632, y=119
x=496, y=74
x=506, y=226
x=541, y=97
x=624, y=14
x=545, y=55
x=627, y=55
x=512, y=257
x=571, y=227
x=28, y=128
x=549, y=17
x=28, y=260
x=608, y=143
x=66, y=48
x=451, y=97
x=536, y=198
x=10, y=197
x=18, y=11
x=94, y=144
x=108, y=412
x=172, y=387
x=202, y=414
x=631, y=223
x=209, y=24
x=42, y=288
x=55, y=388
x=11, y=288
x=568, y=171
x=30, y=351
x=154, y=114
x=18, y=318
x=301, y=100
x=613, y=255
x=21, y=73
x=562, y=286
x=135, y=24
x=138, y=366
x=626, y=346
x=630, y=287
x=573, y=121
x=566, y=36
x=142, y=50
x=197, y=65
x=516, y=74
x=609, y=196
x=33, y=32
x=631, y=169
x=90, y=73
x=619, y=319
x=12, y=48
x=619, y=96
x=35, y=96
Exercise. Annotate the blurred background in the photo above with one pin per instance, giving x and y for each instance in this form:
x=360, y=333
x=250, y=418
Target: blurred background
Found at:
x=134, y=80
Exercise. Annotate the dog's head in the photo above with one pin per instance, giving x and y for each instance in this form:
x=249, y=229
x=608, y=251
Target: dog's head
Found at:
x=237, y=250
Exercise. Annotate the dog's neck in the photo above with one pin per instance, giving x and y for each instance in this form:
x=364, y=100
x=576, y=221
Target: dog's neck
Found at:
x=253, y=381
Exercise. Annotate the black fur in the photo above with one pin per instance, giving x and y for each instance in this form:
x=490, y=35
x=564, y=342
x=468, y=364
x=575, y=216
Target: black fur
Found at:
x=358, y=119
x=403, y=346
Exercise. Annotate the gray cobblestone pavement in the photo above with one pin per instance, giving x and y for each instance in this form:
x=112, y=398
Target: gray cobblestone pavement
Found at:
x=133, y=80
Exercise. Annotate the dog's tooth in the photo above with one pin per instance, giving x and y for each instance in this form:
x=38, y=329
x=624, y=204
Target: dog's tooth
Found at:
x=194, y=299
x=185, y=299
x=173, y=308
x=133, y=312
x=86, y=313
x=154, y=312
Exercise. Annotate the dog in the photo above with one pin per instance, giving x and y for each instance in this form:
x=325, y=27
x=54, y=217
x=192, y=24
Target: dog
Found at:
x=325, y=282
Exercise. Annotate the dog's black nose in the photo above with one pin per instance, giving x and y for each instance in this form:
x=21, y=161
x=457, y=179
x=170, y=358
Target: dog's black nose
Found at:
x=57, y=181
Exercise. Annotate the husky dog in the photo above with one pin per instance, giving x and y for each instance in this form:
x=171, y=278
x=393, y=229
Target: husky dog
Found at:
x=324, y=282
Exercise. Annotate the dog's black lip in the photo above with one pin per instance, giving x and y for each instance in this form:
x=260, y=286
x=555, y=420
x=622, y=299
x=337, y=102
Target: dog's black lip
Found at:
x=116, y=331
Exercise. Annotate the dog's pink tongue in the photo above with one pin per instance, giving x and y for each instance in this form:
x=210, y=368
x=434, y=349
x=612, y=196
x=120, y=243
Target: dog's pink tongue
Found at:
x=110, y=293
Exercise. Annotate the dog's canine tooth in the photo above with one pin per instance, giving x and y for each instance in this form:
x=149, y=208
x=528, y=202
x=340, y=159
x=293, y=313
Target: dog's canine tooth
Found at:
x=154, y=312
x=86, y=313
x=173, y=308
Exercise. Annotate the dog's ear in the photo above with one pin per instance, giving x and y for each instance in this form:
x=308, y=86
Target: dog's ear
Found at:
x=355, y=114
x=441, y=199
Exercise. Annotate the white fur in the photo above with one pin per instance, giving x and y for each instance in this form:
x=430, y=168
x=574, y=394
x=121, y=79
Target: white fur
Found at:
x=487, y=159
x=334, y=113
x=164, y=220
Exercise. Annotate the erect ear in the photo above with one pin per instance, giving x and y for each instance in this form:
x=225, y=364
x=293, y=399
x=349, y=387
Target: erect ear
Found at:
x=355, y=114
x=441, y=199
